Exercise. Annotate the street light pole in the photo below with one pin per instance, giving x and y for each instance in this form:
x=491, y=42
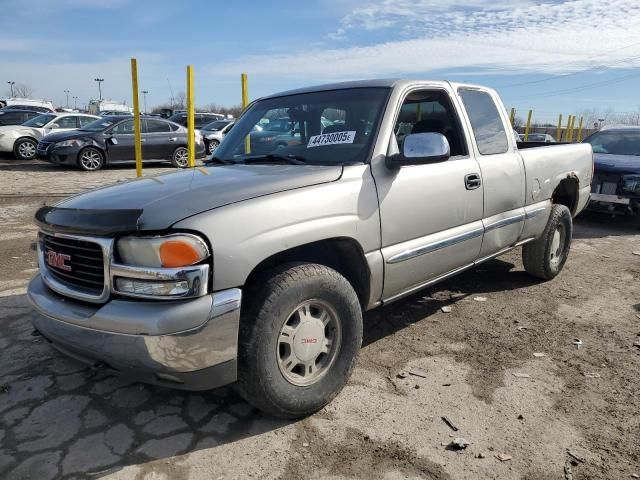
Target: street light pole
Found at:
x=75, y=102
x=11, y=84
x=67, y=92
x=99, y=80
x=144, y=92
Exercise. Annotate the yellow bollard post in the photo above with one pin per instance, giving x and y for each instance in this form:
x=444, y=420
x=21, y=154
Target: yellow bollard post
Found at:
x=527, y=126
x=245, y=101
x=512, y=116
x=191, y=132
x=559, y=129
x=566, y=133
x=136, y=117
x=580, y=131
x=572, y=120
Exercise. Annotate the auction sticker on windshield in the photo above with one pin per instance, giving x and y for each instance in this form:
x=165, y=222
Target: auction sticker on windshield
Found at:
x=331, y=139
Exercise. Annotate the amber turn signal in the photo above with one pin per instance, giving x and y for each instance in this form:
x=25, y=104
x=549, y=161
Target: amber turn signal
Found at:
x=178, y=253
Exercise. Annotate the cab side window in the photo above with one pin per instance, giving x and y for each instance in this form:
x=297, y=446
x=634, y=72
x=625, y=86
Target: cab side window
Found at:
x=123, y=128
x=156, y=126
x=85, y=120
x=430, y=111
x=67, y=122
x=487, y=126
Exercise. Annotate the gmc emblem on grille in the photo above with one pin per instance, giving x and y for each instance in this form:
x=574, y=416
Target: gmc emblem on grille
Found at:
x=58, y=260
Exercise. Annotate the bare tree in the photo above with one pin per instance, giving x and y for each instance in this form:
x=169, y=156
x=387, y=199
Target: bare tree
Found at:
x=180, y=100
x=22, y=90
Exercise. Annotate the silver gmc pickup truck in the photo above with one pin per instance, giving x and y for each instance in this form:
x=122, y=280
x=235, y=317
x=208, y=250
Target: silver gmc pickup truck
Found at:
x=255, y=269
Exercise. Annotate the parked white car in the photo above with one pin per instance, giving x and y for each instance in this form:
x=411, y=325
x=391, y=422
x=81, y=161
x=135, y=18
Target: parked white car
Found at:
x=23, y=139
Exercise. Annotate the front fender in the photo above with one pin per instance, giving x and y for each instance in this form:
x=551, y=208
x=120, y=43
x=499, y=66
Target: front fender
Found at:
x=246, y=233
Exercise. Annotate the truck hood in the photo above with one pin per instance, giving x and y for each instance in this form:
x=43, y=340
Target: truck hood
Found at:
x=607, y=163
x=157, y=202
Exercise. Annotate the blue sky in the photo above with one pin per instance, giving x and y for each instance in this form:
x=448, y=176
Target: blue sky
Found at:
x=554, y=57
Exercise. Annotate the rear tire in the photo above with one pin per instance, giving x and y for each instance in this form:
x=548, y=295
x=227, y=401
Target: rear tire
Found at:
x=300, y=335
x=25, y=148
x=90, y=159
x=545, y=257
x=180, y=158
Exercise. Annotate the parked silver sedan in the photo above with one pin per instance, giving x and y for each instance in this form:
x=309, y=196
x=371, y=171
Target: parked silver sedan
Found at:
x=23, y=139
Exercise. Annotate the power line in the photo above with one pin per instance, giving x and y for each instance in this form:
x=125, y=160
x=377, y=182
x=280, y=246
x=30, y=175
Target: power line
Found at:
x=595, y=67
x=580, y=88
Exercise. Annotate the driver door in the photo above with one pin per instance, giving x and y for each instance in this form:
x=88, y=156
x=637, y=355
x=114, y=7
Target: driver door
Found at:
x=120, y=142
x=431, y=215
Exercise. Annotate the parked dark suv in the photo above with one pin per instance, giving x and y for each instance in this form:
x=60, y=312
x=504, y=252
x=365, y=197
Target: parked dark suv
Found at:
x=111, y=140
x=200, y=119
x=16, y=117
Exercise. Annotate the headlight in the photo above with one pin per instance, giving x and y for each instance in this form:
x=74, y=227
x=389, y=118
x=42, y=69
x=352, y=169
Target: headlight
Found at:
x=68, y=143
x=170, y=251
x=631, y=184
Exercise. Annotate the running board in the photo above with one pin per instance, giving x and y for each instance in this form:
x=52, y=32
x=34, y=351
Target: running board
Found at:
x=451, y=273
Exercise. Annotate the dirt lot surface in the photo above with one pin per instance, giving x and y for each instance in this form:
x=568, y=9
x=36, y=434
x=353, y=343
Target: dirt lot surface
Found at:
x=502, y=366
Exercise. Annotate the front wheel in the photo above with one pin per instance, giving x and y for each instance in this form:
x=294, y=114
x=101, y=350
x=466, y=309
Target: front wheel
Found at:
x=545, y=256
x=25, y=148
x=300, y=335
x=213, y=145
x=180, y=158
x=90, y=159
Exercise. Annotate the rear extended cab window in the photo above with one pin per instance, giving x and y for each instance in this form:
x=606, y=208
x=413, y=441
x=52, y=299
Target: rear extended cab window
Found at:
x=486, y=123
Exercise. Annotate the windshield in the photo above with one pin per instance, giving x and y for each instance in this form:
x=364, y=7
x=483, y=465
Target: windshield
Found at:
x=620, y=142
x=215, y=126
x=39, y=121
x=98, y=125
x=328, y=127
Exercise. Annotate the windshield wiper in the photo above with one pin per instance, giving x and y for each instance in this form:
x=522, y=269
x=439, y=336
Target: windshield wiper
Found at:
x=293, y=159
x=218, y=160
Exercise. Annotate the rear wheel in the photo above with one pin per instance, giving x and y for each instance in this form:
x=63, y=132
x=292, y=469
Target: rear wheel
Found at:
x=300, y=335
x=90, y=159
x=545, y=257
x=180, y=158
x=25, y=148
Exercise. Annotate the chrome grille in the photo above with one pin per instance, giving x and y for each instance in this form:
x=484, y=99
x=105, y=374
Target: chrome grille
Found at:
x=606, y=184
x=83, y=267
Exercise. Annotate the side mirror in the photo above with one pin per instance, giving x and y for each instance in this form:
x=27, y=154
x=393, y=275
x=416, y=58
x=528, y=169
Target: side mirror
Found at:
x=420, y=149
x=113, y=140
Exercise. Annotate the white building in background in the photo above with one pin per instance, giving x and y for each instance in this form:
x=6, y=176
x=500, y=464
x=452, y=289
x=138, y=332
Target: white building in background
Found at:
x=96, y=107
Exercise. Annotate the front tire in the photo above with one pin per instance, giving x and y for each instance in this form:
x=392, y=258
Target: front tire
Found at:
x=300, y=335
x=180, y=158
x=212, y=146
x=545, y=257
x=25, y=149
x=90, y=159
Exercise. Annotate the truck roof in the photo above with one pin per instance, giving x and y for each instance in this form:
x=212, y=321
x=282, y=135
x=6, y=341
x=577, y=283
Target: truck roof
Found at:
x=382, y=82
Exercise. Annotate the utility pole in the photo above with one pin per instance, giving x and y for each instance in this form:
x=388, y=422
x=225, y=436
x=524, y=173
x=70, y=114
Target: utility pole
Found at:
x=11, y=84
x=67, y=92
x=75, y=102
x=99, y=80
x=144, y=92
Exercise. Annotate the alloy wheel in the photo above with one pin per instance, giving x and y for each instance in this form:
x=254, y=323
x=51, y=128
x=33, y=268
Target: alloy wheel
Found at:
x=308, y=342
x=90, y=160
x=27, y=150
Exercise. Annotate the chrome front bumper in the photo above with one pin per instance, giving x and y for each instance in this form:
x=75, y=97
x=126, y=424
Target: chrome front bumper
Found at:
x=189, y=344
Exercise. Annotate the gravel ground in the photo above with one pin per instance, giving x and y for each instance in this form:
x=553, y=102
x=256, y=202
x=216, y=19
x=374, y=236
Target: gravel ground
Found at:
x=505, y=371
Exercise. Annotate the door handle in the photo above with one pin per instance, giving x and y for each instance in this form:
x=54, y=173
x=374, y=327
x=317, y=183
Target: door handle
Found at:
x=173, y=139
x=472, y=181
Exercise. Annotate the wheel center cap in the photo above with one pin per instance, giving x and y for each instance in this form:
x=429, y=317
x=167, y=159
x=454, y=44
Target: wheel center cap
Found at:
x=308, y=340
